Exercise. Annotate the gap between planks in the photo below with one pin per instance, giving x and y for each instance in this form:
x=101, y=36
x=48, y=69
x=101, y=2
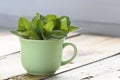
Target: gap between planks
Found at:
x=90, y=48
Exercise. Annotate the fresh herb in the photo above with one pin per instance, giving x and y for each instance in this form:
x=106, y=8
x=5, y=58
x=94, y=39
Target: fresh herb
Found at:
x=44, y=27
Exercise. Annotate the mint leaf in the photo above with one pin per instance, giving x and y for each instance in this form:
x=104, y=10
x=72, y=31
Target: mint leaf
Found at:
x=40, y=25
x=57, y=34
x=24, y=24
x=36, y=18
x=42, y=18
x=73, y=28
x=50, y=17
x=25, y=33
x=15, y=32
x=20, y=34
x=49, y=26
x=65, y=23
x=44, y=27
x=34, y=35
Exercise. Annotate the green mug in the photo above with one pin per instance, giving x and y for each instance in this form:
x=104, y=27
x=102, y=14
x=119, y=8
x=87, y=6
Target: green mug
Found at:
x=43, y=57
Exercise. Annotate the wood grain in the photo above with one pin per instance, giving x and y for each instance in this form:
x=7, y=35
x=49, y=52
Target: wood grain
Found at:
x=90, y=48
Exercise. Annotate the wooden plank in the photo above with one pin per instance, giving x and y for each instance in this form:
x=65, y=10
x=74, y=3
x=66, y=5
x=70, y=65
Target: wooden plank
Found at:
x=90, y=48
x=108, y=69
x=8, y=44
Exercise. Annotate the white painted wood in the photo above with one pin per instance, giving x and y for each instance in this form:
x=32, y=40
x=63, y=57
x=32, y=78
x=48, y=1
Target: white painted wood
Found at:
x=8, y=44
x=11, y=66
x=90, y=48
x=108, y=69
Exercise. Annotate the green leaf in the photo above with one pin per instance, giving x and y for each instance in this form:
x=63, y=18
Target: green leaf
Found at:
x=44, y=27
x=57, y=34
x=40, y=25
x=34, y=36
x=15, y=33
x=57, y=24
x=20, y=34
x=29, y=34
x=24, y=24
x=42, y=18
x=38, y=21
x=36, y=18
x=49, y=26
x=51, y=17
x=25, y=33
x=65, y=23
x=73, y=28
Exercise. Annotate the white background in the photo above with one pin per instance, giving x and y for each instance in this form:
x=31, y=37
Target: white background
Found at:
x=100, y=15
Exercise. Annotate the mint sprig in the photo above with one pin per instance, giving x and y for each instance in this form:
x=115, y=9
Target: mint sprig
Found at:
x=44, y=27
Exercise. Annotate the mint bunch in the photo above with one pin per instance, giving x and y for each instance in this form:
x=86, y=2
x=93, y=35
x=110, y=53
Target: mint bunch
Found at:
x=44, y=27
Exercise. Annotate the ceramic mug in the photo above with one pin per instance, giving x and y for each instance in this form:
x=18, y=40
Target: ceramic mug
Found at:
x=43, y=57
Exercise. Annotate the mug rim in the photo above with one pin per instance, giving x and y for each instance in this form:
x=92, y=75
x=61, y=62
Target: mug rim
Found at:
x=31, y=40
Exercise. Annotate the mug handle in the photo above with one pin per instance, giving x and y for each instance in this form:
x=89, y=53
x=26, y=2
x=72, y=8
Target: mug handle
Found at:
x=74, y=54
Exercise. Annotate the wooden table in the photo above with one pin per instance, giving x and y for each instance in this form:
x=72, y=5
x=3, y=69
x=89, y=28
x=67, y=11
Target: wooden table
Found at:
x=98, y=59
